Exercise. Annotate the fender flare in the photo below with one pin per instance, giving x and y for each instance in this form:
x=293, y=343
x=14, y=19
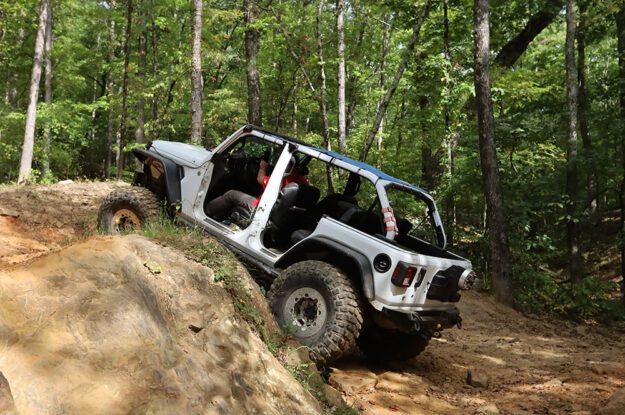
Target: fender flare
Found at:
x=173, y=173
x=335, y=253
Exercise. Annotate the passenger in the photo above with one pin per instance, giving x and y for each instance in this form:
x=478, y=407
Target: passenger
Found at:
x=222, y=207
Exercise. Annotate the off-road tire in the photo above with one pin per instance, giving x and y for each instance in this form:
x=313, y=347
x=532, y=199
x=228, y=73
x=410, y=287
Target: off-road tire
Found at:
x=383, y=345
x=343, y=312
x=144, y=204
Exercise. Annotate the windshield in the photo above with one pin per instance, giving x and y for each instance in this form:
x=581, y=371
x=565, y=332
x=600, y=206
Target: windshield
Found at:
x=414, y=215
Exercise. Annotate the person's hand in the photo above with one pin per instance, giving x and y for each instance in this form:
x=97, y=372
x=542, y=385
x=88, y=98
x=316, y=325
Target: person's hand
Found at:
x=263, y=165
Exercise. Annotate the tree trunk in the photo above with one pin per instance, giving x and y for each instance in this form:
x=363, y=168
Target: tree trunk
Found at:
x=110, y=85
x=398, y=75
x=340, y=31
x=512, y=51
x=500, y=261
x=584, y=109
x=386, y=40
x=141, y=73
x=196, y=74
x=47, y=135
x=252, y=43
x=323, y=100
x=620, y=33
x=572, y=228
x=451, y=138
x=26, y=161
x=154, y=38
x=122, y=128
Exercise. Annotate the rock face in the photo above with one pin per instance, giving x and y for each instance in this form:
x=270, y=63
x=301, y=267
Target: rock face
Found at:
x=615, y=405
x=93, y=329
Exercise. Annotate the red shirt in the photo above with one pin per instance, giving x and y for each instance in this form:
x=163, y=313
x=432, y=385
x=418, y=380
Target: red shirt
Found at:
x=292, y=178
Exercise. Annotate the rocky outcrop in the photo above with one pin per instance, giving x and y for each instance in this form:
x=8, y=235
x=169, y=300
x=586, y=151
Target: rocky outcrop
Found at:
x=615, y=405
x=119, y=325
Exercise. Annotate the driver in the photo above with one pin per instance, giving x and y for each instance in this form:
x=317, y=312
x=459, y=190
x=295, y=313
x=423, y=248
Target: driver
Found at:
x=221, y=207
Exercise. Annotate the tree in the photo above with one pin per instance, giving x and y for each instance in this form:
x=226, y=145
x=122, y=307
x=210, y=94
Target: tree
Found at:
x=252, y=44
x=583, y=109
x=386, y=100
x=500, y=261
x=26, y=161
x=340, y=32
x=196, y=74
x=572, y=228
x=123, y=117
x=620, y=34
x=47, y=135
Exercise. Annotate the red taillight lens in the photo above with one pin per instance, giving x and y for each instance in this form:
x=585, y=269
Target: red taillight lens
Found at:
x=403, y=275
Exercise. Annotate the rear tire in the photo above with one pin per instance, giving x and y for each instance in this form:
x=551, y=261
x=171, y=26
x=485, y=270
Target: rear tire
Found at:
x=383, y=345
x=127, y=210
x=318, y=304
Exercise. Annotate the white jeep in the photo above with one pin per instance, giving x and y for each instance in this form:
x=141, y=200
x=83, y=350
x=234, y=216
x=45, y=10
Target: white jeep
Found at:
x=364, y=265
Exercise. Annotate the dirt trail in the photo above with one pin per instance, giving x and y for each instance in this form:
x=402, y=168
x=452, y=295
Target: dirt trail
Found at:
x=532, y=366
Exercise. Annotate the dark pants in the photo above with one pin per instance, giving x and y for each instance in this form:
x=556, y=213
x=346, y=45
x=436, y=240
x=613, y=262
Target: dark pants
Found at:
x=221, y=207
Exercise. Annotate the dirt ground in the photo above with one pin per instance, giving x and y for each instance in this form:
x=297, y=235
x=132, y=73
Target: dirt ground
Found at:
x=526, y=365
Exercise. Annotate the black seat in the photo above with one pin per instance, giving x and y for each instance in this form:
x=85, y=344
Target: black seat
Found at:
x=299, y=235
x=290, y=211
x=363, y=220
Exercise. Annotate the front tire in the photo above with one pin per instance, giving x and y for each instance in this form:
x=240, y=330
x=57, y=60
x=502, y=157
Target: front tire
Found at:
x=318, y=304
x=383, y=345
x=127, y=210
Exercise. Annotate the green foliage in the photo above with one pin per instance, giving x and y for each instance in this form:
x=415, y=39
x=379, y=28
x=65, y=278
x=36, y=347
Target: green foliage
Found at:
x=432, y=109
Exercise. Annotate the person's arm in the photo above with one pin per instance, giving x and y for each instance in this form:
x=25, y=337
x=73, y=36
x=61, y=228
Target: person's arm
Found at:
x=262, y=171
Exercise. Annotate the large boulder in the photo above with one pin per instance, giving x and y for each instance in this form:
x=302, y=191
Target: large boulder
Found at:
x=120, y=324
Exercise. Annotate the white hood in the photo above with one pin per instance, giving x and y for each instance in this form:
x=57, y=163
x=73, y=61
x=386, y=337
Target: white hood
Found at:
x=181, y=153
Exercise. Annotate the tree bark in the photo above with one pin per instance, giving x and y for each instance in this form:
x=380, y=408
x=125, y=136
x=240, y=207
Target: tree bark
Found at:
x=141, y=73
x=252, y=44
x=323, y=100
x=47, y=134
x=451, y=138
x=572, y=228
x=196, y=74
x=393, y=87
x=500, y=260
x=110, y=85
x=386, y=40
x=340, y=31
x=512, y=51
x=122, y=128
x=584, y=109
x=26, y=161
x=154, y=41
x=620, y=34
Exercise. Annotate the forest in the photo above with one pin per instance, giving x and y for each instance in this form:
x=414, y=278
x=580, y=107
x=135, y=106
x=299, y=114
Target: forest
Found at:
x=511, y=114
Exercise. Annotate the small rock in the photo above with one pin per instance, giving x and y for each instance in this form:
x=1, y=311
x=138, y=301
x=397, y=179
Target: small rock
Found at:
x=6, y=398
x=9, y=212
x=64, y=182
x=581, y=413
x=615, y=404
x=333, y=396
x=553, y=383
x=477, y=379
x=489, y=409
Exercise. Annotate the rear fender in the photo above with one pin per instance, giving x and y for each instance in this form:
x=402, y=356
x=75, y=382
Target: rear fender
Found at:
x=347, y=259
x=160, y=175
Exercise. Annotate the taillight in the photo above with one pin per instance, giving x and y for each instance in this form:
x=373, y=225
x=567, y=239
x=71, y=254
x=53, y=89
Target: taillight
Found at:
x=403, y=275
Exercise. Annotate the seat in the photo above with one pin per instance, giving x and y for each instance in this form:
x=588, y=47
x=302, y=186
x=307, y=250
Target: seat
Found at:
x=364, y=221
x=291, y=210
